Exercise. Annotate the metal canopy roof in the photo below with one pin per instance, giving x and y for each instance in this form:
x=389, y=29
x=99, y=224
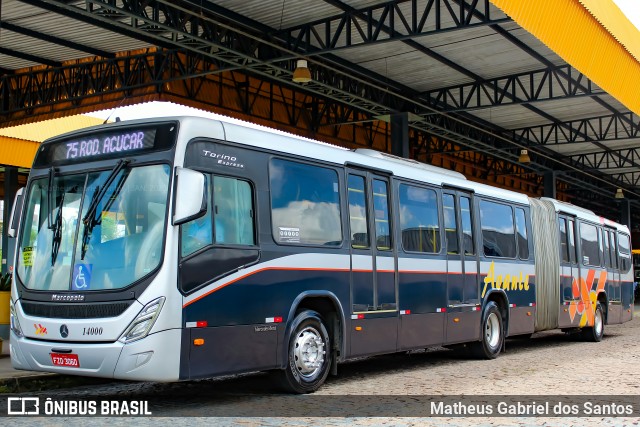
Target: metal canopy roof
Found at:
x=466, y=72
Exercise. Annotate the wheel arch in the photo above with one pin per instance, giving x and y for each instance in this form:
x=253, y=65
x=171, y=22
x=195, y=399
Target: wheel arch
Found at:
x=604, y=303
x=502, y=301
x=324, y=303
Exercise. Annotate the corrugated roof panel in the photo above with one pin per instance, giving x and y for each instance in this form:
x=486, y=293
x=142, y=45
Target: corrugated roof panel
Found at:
x=17, y=152
x=612, y=18
x=40, y=48
x=574, y=148
x=15, y=9
x=510, y=117
x=81, y=33
x=572, y=108
x=402, y=63
x=40, y=131
x=12, y=63
x=281, y=14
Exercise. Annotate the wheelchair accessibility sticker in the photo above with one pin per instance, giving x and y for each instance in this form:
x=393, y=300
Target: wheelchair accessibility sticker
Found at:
x=81, y=277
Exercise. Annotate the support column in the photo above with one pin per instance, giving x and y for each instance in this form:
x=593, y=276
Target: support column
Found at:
x=10, y=188
x=550, y=184
x=625, y=212
x=400, y=135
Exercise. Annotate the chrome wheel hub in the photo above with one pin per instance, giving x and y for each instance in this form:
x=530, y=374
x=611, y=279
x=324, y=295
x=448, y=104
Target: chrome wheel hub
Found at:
x=598, y=323
x=492, y=331
x=308, y=352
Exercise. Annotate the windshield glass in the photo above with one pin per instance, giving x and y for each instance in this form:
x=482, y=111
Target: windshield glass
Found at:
x=119, y=243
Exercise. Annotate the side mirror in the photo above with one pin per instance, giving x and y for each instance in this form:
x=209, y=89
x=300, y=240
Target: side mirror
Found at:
x=16, y=210
x=189, y=201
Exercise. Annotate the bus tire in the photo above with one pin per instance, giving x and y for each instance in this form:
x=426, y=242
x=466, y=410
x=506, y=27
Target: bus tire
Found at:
x=492, y=334
x=308, y=356
x=596, y=332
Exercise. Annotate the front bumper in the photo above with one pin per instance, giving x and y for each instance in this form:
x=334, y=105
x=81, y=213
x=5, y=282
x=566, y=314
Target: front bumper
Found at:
x=154, y=358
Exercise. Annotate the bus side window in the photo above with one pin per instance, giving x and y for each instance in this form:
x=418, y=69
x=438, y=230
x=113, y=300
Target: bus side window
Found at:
x=564, y=247
x=233, y=219
x=522, y=237
x=572, y=242
x=498, y=233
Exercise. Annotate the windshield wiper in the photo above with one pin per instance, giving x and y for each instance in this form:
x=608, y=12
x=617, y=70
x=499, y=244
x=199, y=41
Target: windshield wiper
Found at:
x=57, y=232
x=56, y=226
x=89, y=219
x=50, y=197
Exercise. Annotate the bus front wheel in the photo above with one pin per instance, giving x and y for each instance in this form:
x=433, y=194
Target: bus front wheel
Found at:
x=309, y=355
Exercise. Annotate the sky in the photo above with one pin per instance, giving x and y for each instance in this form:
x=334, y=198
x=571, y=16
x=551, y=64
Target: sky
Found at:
x=631, y=8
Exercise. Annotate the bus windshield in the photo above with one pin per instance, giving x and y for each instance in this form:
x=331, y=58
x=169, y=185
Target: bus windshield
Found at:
x=84, y=237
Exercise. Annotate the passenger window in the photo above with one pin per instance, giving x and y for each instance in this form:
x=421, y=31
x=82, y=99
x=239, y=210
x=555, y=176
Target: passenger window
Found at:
x=381, y=212
x=572, y=242
x=607, y=252
x=450, y=225
x=498, y=234
x=564, y=247
x=233, y=212
x=467, y=231
x=233, y=217
x=521, y=228
x=305, y=204
x=614, y=250
x=625, y=252
x=358, y=213
x=419, y=219
x=589, y=241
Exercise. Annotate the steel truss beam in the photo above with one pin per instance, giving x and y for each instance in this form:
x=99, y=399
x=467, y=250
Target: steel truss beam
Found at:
x=610, y=159
x=602, y=128
x=561, y=82
x=630, y=178
x=390, y=21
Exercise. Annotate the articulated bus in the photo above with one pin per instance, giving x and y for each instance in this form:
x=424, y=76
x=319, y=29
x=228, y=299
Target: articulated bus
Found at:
x=182, y=248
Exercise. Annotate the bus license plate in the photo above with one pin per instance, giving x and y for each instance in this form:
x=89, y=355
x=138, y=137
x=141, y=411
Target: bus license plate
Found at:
x=70, y=360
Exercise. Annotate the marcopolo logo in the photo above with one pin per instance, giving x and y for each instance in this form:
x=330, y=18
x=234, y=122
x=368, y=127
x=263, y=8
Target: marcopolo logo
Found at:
x=23, y=406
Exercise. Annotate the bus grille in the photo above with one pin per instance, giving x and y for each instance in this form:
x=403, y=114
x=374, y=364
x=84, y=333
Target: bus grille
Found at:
x=75, y=311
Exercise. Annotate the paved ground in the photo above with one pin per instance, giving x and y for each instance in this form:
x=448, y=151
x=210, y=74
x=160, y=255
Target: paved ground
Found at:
x=550, y=364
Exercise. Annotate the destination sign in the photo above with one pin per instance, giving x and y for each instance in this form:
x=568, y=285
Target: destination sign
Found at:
x=108, y=143
x=119, y=143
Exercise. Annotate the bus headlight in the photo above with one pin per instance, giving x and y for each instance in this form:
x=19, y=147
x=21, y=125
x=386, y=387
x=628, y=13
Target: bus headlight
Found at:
x=142, y=324
x=15, y=325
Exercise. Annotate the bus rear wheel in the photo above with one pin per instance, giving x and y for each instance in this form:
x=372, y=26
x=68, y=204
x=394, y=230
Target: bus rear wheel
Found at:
x=308, y=354
x=595, y=333
x=492, y=334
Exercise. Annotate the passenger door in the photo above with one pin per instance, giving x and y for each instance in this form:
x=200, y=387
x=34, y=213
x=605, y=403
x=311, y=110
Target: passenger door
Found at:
x=373, y=279
x=614, y=285
x=463, y=314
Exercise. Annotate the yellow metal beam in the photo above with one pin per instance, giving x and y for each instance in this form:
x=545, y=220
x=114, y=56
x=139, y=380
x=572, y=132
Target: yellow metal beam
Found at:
x=17, y=152
x=570, y=29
